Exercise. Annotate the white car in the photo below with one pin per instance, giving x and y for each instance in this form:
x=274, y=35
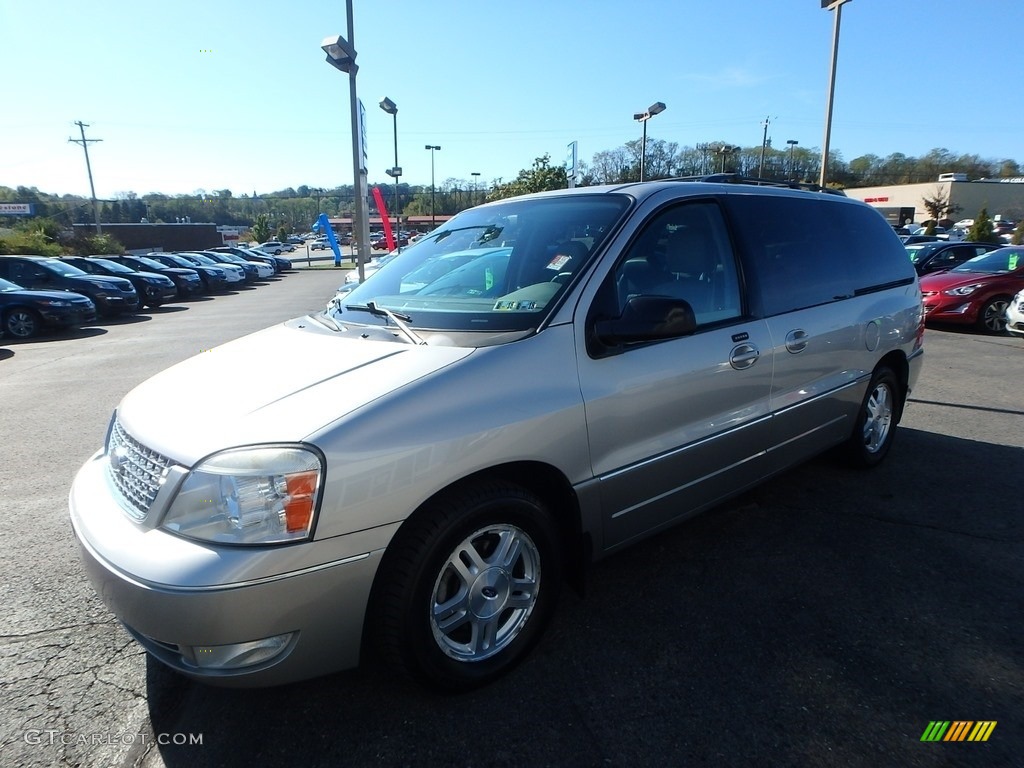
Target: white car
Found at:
x=1015, y=315
x=273, y=247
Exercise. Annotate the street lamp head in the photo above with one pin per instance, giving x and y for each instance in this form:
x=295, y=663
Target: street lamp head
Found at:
x=792, y=142
x=389, y=106
x=340, y=54
x=431, y=146
x=655, y=109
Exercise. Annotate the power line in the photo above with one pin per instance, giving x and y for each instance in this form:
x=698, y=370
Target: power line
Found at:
x=85, y=146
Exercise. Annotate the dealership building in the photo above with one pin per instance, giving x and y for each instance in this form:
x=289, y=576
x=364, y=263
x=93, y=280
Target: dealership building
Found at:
x=904, y=203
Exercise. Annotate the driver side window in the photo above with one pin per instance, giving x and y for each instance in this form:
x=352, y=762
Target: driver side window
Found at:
x=684, y=253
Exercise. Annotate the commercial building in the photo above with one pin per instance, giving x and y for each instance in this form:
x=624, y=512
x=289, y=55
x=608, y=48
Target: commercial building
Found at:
x=904, y=203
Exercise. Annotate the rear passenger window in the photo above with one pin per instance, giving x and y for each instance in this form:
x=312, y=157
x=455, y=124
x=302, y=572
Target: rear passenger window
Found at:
x=806, y=252
x=684, y=252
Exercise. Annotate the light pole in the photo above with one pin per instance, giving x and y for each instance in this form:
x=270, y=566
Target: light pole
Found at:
x=432, y=148
x=792, y=147
x=837, y=6
x=642, y=117
x=392, y=109
x=341, y=55
x=476, y=177
x=725, y=150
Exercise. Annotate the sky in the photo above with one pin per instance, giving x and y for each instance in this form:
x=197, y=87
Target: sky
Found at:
x=233, y=94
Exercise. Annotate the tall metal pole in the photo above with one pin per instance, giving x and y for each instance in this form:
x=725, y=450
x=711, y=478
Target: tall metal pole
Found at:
x=92, y=189
x=398, y=219
x=643, y=151
x=764, y=145
x=361, y=211
x=792, y=146
x=837, y=6
x=432, y=147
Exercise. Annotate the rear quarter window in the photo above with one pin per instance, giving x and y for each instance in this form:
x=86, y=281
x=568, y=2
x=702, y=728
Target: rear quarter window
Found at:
x=805, y=251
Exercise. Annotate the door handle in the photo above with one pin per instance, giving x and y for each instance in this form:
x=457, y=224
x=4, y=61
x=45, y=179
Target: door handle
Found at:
x=743, y=356
x=796, y=341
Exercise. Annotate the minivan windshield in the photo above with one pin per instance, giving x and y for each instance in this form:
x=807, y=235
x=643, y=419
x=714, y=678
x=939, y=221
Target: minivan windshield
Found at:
x=500, y=267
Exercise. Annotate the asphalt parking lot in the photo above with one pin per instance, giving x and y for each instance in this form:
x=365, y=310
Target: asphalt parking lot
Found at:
x=825, y=618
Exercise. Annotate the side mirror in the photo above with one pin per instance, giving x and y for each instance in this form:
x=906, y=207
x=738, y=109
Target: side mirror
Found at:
x=647, y=318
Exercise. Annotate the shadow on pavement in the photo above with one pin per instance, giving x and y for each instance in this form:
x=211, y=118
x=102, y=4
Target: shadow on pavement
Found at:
x=824, y=618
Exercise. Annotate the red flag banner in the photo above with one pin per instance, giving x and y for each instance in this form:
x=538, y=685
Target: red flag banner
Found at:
x=388, y=234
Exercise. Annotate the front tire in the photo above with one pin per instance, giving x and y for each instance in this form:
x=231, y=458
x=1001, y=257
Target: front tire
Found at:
x=875, y=428
x=22, y=323
x=992, y=317
x=468, y=586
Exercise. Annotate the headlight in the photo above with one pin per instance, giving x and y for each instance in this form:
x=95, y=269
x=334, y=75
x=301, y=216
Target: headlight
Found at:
x=108, y=286
x=964, y=290
x=55, y=302
x=260, y=495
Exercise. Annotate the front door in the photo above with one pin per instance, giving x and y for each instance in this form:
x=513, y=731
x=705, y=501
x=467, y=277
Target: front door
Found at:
x=678, y=425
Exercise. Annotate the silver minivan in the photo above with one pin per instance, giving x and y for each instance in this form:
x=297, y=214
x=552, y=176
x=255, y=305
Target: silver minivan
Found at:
x=412, y=474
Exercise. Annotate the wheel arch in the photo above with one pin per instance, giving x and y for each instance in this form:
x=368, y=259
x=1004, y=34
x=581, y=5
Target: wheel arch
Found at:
x=542, y=480
x=896, y=361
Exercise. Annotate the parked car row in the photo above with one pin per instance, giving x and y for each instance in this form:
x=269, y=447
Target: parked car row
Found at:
x=978, y=292
x=39, y=293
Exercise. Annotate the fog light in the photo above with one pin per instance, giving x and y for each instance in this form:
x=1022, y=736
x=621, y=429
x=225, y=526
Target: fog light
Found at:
x=238, y=655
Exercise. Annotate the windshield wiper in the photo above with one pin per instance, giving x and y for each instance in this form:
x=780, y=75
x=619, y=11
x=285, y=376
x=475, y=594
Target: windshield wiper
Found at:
x=399, y=320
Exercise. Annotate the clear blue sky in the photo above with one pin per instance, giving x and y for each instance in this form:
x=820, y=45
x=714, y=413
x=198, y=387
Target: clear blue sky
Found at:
x=230, y=94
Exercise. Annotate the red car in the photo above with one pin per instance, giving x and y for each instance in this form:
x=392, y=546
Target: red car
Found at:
x=977, y=292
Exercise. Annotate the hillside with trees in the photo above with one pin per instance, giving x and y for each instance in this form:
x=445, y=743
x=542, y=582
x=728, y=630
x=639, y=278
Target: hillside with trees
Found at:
x=294, y=209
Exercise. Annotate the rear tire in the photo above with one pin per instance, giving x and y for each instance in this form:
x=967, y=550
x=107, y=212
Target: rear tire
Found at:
x=468, y=586
x=875, y=428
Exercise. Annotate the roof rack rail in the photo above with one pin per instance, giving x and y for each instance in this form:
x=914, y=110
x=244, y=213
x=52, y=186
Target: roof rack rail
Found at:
x=735, y=178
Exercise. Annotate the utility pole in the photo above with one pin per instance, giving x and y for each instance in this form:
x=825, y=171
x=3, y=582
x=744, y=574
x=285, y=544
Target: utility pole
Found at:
x=85, y=145
x=703, y=148
x=764, y=145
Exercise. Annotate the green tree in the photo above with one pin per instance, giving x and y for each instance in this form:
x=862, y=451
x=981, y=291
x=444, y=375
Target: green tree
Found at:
x=282, y=234
x=29, y=243
x=542, y=177
x=261, y=228
x=91, y=244
x=981, y=230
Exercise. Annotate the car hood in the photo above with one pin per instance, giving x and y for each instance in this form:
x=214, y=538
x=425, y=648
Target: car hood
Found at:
x=98, y=280
x=25, y=293
x=281, y=385
x=153, y=274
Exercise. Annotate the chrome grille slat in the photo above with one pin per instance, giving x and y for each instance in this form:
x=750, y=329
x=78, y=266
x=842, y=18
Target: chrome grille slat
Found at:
x=136, y=471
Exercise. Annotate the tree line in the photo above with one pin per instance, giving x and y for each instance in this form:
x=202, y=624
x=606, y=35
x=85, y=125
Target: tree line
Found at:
x=294, y=209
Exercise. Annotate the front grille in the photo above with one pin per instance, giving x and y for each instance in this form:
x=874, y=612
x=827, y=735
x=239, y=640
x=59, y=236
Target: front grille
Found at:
x=136, y=470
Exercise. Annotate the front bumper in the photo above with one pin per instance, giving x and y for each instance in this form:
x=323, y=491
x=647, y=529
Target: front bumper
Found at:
x=955, y=311
x=181, y=598
x=1015, y=317
x=111, y=303
x=159, y=294
x=68, y=317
